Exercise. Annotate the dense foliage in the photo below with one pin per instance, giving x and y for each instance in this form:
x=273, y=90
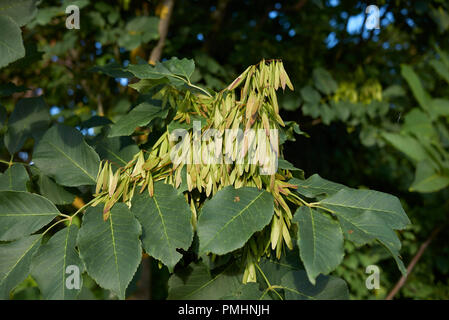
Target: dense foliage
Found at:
x=87, y=118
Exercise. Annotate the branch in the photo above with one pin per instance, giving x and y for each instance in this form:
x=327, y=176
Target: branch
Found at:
x=412, y=264
x=166, y=11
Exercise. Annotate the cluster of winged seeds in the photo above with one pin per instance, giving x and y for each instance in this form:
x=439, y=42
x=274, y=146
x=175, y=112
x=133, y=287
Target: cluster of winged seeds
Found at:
x=249, y=103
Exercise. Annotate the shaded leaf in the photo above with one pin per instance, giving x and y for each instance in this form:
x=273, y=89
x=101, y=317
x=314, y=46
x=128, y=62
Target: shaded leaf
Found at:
x=14, y=178
x=196, y=283
x=63, y=155
x=165, y=220
x=54, y=192
x=137, y=117
x=112, y=69
x=30, y=117
x=406, y=144
x=49, y=265
x=15, y=261
x=415, y=85
x=110, y=249
x=310, y=95
x=297, y=287
x=21, y=11
x=10, y=88
x=324, y=81
x=22, y=213
x=428, y=178
x=320, y=242
x=118, y=150
x=315, y=186
x=11, y=45
x=364, y=227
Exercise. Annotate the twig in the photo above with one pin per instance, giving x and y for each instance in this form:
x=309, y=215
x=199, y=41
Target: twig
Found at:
x=412, y=264
x=166, y=11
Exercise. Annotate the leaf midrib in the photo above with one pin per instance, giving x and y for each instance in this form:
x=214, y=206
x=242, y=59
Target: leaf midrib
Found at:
x=70, y=159
x=20, y=259
x=233, y=218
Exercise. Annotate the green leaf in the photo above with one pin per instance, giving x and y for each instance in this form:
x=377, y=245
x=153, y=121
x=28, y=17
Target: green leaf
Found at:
x=327, y=114
x=229, y=219
x=54, y=192
x=139, y=30
x=15, y=261
x=366, y=226
x=274, y=268
x=440, y=17
x=165, y=220
x=63, y=155
x=320, y=242
x=137, y=117
x=118, y=150
x=249, y=291
x=418, y=123
x=297, y=287
x=144, y=86
x=439, y=107
x=95, y=121
x=196, y=283
x=352, y=201
x=175, y=70
x=112, y=69
x=48, y=265
x=21, y=11
x=110, y=249
x=310, y=95
x=406, y=144
x=14, y=178
x=342, y=109
x=284, y=164
x=181, y=67
x=324, y=81
x=147, y=71
x=173, y=125
x=11, y=45
x=428, y=178
x=441, y=69
x=10, y=88
x=13, y=15
x=415, y=85
x=29, y=118
x=22, y=213
x=315, y=186
x=393, y=91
